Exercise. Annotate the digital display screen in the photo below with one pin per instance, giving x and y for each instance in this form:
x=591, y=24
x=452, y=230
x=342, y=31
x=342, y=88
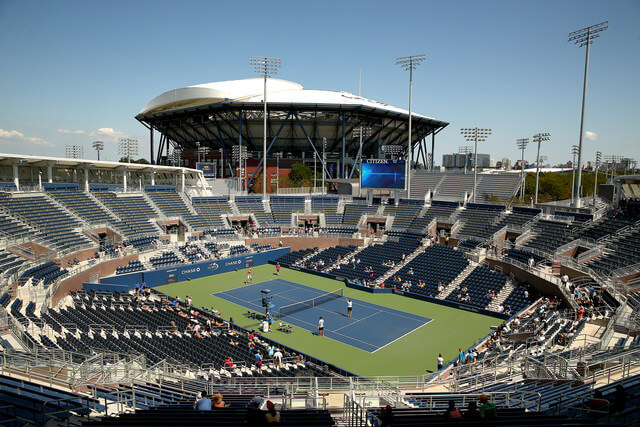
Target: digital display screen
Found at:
x=208, y=169
x=382, y=173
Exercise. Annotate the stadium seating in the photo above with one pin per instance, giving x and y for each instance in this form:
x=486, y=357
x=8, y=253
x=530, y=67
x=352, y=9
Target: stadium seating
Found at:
x=328, y=256
x=295, y=256
x=473, y=289
x=54, y=225
x=83, y=205
x=131, y=267
x=211, y=210
x=436, y=264
x=171, y=204
x=620, y=251
x=282, y=208
x=354, y=212
x=454, y=187
x=404, y=214
x=133, y=210
x=327, y=205
x=253, y=205
x=167, y=259
x=549, y=235
x=497, y=186
x=477, y=219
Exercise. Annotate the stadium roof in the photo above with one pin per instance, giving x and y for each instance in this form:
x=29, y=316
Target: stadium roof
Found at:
x=251, y=91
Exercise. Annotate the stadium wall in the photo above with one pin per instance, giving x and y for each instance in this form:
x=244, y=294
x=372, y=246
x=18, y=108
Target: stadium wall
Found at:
x=153, y=278
x=298, y=243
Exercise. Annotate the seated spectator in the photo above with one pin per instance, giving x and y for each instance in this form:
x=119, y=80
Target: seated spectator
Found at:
x=487, y=409
x=272, y=415
x=452, y=412
x=204, y=403
x=218, y=402
x=386, y=416
x=255, y=416
x=472, y=412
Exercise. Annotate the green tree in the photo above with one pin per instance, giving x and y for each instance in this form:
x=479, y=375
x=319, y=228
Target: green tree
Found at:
x=301, y=172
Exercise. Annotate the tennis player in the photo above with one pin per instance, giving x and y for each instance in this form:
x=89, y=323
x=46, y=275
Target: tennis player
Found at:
x=349, y=307
x=321, y=327
x=278, y=269
x=249, y=276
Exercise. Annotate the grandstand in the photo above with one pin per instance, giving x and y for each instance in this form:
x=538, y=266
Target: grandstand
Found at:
x=72, y=316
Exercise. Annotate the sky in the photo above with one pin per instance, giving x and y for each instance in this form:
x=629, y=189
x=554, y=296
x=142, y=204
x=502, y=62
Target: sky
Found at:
x=76, y=72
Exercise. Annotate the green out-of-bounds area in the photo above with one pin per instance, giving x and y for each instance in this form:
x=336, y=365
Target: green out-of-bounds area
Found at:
x=413, y=354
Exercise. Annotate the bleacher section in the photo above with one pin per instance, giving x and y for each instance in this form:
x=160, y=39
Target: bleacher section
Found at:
x=12, y=227
x=131, y=267
x=405, y=213
x=621, y=251
x=328, y=256
x=55, y=226
x=376, y=260
x=171, y=204
x=454, y=187
x=550, y=235
x=211, y=210
x=353, y=213
x=295, y=256
x=438, y=263
x=132, y=209
x=328, y=205
x=47, y=272
x=253, y=205
x=83, y=205
x=423, y=181
x=9, y=263
x=167, y=259
x=474, y=288
x=282, y=207
x=479, y=219
x=500, y=186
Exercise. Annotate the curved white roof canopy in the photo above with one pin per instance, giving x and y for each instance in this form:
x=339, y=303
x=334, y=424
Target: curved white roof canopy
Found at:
x=251, y=90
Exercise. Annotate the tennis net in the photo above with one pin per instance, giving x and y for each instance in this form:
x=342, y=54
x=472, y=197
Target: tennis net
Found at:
x=313, y=302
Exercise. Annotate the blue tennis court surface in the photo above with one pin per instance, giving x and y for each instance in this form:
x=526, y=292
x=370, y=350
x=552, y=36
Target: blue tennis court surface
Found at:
x=370, y=328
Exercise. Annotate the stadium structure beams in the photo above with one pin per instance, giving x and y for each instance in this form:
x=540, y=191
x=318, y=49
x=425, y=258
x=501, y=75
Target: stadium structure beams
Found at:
x=222, y=125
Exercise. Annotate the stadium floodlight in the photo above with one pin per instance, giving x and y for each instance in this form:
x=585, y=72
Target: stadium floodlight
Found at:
x=98, y=146
x=522, y=144
x=391, y=150
x=539, y=137
x=475, y=135
x=128, y=148
x=574, y=152
x=584, y=37
x=240, y=155
x=595, y=178
x=324, y=158
x=410, y=63
x=74, y=151
x=176, y=154
x=266, y=67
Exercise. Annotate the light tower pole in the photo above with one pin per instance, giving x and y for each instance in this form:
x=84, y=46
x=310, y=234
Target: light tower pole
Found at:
x=410, y=63
x=539, y=137
x=360, y=132
x=266, y=67
x=595, y=178
x=475, y=135
x=522, y=144
x=98, y=146
x=584, y=37
x=324, y=147
x=574, y=151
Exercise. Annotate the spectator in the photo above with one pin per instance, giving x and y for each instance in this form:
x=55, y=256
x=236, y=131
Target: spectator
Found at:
x=272, y=416
x=472, y=412
x=202, y=404
x=440, y=362
x=255, y=416
x=487, y=409
x=386, y=416
x=277, y=357
x=452, y=412
x=598, y=403
x=218, y=402
x=619, y=399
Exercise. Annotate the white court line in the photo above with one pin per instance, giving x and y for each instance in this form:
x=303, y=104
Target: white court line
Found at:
x=410, y=332
x=358, y=321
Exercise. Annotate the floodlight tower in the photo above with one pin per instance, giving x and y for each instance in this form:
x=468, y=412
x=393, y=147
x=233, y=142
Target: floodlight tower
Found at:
x=584, y=37
x=522, y=144
x=475, y=135
x=266, y=67
x=359, y=132
x=595, y=179
x=464, y=149
x=539, y=137
x=128, y=148
x=574, y=151
x=98, y=146
x=410, y=63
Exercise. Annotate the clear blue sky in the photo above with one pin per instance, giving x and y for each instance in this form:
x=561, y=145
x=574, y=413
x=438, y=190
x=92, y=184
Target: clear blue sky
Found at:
x=74, y=72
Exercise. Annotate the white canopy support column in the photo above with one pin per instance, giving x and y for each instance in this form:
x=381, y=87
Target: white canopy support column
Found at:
x=86, y=180
x=183, y=179
x=153, y=176
x=124, y=179
x=49, y=173
x=16, y=178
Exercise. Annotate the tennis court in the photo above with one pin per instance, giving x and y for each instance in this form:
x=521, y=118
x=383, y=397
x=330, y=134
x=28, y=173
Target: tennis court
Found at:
x=370, y=328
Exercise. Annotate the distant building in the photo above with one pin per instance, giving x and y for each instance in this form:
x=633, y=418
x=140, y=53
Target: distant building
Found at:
x=458, y=161
x=506, y=163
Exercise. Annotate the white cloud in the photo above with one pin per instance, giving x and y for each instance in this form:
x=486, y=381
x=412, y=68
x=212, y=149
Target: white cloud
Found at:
x=108, y=134
x=71, y=131
x=11, y=137
x=591, y=135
